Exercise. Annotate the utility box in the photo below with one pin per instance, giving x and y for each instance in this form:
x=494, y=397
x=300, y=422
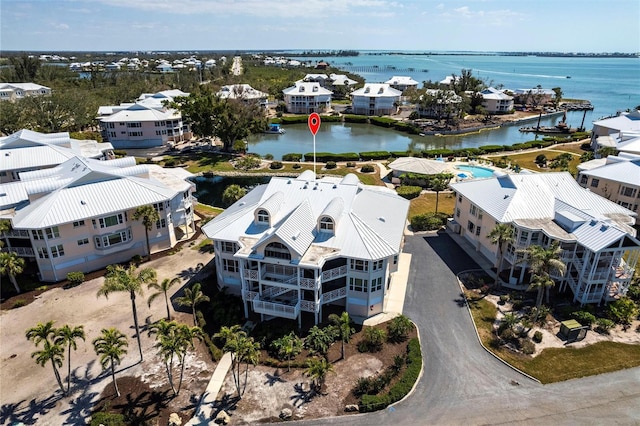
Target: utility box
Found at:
x=572, y=330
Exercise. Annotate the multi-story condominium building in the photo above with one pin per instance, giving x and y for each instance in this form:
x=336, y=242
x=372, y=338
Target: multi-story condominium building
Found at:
x=295, y=245
x=15, y=91
x=616, y=178
x=496, y=101
x=402, y=83
x=615, y=131
x=26, y=150
x=375, y=99
x=305, y=98
x=598, y=242
x=146, y=123
x=78, y=216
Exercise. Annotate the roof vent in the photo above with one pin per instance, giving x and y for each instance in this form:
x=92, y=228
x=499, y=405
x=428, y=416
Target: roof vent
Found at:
x=381, y=219
x=289, y=182
x=505, y=196
x=335, y=186
x=84, y=203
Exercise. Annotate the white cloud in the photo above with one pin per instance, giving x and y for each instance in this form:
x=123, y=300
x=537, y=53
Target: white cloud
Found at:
x=60, y=26
x=266, y=8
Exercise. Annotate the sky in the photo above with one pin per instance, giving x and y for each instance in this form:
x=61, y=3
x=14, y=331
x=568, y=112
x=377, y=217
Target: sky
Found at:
x=420, y=25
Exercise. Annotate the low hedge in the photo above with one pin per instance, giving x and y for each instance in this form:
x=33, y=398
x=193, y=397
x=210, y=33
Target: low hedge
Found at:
x=428, y=221
x=492, y=148
x=292, y=156
x=323, y=157
x=398, y=154
x=374, y=155
x=398, y=391
x=294, y=119
x=382, y=121
x=350, y=118
x=406, y=127
x=432, y=153
x=409, y=191
x=331, y=119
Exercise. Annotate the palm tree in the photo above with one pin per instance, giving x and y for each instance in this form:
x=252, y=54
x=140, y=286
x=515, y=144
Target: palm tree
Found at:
x=149, y=216
x=243, y=350
x=119, y=279
x=186, y=335
x=439, y=183
x=543, y=263
x=500, y=235
x=5, y=226
x=162, y=289
x=399, y=328
x=67, y=335
x=317, y=369
x=53, y=352
x=111, y=346
x=343, y=324
x=192, y=297
x=288, y=346
x=168, y=345
x=233, y=193
x=11, y=265
x=40, y=332
x=319, y=339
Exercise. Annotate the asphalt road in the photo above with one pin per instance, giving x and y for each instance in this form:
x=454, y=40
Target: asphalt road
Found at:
x=464, y=384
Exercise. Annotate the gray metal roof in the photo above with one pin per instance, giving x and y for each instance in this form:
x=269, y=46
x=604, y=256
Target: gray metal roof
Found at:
x=369, y=225
x=625, y=172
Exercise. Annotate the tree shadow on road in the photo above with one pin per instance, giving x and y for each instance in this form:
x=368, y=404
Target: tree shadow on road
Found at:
x=13, y=413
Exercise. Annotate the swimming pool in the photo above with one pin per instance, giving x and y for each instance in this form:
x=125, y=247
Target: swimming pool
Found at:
x=477, y=172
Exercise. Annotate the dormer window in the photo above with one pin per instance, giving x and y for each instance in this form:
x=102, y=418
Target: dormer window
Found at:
x=327, y=225
x=278, y=251
x=367, y=90
x=262, y=216
x=315, y=88
x=302, y=88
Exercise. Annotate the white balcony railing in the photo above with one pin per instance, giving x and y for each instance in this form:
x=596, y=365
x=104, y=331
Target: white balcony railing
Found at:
x=309, y=284
x=270, y=292
x=309, y=306
x=283, y=310
x=248, y=274
x=20, y=251
x=15, y=233
x=334, y=295
x=334, y=273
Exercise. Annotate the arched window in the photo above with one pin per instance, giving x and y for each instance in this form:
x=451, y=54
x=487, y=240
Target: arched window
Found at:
x=262, y=216
x=277, y=250
x=326, y=224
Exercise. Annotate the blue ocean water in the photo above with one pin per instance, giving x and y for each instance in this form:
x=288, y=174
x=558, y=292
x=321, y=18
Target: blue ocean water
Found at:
x=610, y=84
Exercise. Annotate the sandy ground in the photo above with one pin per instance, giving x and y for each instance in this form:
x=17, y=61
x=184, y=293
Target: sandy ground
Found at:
x=550, y=332
x=269, y=390
x=29, y=393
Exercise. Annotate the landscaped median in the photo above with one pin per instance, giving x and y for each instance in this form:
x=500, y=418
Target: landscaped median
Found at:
x=552, y=364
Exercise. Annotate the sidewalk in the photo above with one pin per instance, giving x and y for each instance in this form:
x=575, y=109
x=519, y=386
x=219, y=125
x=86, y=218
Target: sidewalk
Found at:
x=206, y=405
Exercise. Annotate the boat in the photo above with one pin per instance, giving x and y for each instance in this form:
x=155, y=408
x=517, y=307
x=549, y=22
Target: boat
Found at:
x=274, y=129
x=560, y=129
x=568, y=76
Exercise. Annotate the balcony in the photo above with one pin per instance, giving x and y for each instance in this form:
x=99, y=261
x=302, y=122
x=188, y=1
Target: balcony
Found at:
x=309, y=284
x=20, y=251
x=286, y=309
x=16, y=233
x=332, y=274
x=333, y=295
x=309, y=306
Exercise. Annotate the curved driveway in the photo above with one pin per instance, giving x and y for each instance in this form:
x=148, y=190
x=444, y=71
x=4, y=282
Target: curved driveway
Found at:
x=463, y=384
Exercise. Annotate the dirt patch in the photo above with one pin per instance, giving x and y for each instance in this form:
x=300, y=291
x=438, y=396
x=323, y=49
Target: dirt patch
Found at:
x=270, y=390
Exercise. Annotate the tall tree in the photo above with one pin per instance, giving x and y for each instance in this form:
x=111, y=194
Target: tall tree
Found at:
x=186, y=336
x=5, y=226
x=439, y=183
x=111, y=346
x=162, y=289
x=25, y=67
x=67, y=335
x=193, y=296
x=345, y=330
x=52, y=352
x=317, y=370
x=119, y=279
x=227, y=119
x=500, y=235
x=233, y=193
x=168, y=346
x=149, y=216
x=41, y=332
x=243, y=351
x=319, y=339
x=543, y=263
x=11, y=265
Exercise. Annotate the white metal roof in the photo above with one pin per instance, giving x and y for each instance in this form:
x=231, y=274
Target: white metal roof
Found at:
x=402, y=80
x=625, y=172
x=307, y=89
x=141, y=112
x=375, y=90
x=625, y=122
x=419, y=165
x=369, y=225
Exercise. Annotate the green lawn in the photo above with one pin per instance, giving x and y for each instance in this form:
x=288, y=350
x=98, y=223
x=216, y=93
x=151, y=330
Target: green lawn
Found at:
x=526, y=160
x=426, y=203
x=555, y=364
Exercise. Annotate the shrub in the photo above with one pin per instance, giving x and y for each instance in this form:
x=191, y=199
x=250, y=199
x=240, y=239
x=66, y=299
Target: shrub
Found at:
x=428, y=221
x=604, y=325
x=526, y=346
x=507, y=334
x=18, y=303
x=350, y=164
x=170, y=162
x=268, y=156
x=374, y=155
x=373, y=340
x=296, y=166
x=330, y=165
x=363, y=386
x=623, y=310
x=504, y=298
x=247, y=162
x=350, y=118
x=275, y=165
x=537, y=336
x=584, y=317
x=75, y=278
x=367, y=168
x=409, y=191
x=402, y=387
x=398, y=328
x=292, y=157
x=105, y=418
x=136, y=259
